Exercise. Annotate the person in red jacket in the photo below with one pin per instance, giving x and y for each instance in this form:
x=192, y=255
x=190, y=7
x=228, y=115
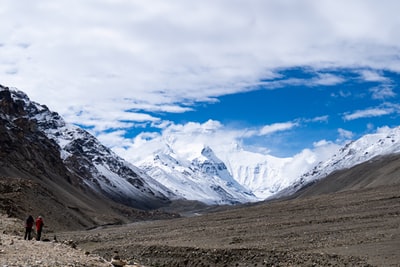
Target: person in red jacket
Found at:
x=39, y=227
x=28, y=227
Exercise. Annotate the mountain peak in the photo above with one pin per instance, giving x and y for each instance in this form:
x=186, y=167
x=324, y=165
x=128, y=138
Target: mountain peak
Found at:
x=206, y=151
x=175, y=169
x=93, y=166
x=386, y=141
x=198, y=175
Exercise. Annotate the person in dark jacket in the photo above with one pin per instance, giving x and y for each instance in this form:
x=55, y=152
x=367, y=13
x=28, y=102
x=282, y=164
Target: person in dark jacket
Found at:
x=28, y=227
x=39, y=227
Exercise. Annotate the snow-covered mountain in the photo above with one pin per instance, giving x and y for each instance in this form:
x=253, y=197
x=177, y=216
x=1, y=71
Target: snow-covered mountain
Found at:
x=181, y=167
x=264, y=175
x=202, y=177
x=244, y=176
x=96, y=166
x=174, y=169
x=385, y=142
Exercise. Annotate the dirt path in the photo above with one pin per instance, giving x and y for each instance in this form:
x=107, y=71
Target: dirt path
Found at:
x=358, y=228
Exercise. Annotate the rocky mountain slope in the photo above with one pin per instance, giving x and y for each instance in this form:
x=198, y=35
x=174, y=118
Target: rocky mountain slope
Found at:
x=380, y=150
x=377, y=172
x=63, y=162
x=60, y=171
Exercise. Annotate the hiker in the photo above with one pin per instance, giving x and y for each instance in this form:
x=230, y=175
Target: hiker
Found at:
x=39, y=227
x=28, y=227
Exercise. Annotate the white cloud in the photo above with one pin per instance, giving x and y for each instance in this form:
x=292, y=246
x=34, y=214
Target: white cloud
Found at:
x=373, y=76
x=382, y=92
x=114, y=139
x=321, y=143
x=384, y=129
x=370, y=126
x=277, y=127
x=104, y=118
x=345, y=134
x=188, y=139
x=181, y=136
x=308, y=158
x=342, y=93
x=327, y=79
x=158, y=56
x=368, y=113
x=324, y=79
x=324, y=118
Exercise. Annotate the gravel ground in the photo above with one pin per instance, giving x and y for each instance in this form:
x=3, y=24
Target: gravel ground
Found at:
x=355, y=228
x=15, y=251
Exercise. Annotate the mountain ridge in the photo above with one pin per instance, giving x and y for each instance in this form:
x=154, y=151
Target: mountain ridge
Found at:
x=204, y=178
x=367, y=149
x=196, y=172
x=268, y=177
x=83, y=155
x=36, y=178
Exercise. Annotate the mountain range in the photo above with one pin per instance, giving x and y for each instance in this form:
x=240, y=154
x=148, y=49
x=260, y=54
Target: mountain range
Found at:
x=256, y=175
x=58, y=170
x=48, y=165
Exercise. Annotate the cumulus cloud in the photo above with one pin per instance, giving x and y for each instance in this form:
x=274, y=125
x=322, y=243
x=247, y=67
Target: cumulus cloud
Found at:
x=157, y=56
x=183, y=137
x=307, y=158
x=187, y=140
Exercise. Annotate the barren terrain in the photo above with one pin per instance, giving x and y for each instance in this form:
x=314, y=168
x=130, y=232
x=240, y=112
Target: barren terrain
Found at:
x=352, y=228
x=351, y=218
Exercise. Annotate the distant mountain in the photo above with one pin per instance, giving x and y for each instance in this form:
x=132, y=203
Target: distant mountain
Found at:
x=189, y=170
x=380, y=171
x=254, y=176
x=367, y=150
x=235, y=176
x=263, y=175
x=36, y=142
x=203, y=177
x=97, y=167
x=66, y=166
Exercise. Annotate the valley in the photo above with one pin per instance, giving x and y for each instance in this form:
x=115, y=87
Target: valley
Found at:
x=343, y=212
x=351, y=228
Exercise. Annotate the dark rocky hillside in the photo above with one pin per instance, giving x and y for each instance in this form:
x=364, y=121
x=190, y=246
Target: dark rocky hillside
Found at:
x=380, y=171
x=35, y=180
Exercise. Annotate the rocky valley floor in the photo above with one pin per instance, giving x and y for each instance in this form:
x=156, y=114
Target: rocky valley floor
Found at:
x=354, y=228
x=17, y=252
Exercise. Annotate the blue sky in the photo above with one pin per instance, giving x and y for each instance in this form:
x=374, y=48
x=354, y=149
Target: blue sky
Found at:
x=276, y=76
x=353, y=102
